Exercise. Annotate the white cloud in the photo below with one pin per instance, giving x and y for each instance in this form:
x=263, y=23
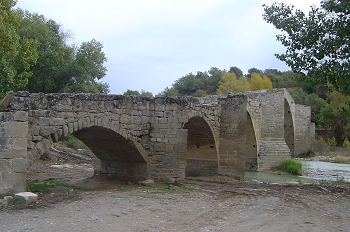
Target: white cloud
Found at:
x=152, y=43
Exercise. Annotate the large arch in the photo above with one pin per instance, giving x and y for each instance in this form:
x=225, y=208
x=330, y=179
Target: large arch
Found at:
x=251, y=151
x=119, y=156
x=201, y=157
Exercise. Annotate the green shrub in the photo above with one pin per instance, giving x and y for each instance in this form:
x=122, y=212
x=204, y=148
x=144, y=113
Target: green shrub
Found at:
x=346, y=143
x=342, y=160
x=291, y=166
x=72, y=142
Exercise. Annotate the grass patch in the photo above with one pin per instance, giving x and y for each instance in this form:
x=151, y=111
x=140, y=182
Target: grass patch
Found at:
x=337, y=182
x=38, y=187
x=168, y=189
x=342, y=160
x=291, y=166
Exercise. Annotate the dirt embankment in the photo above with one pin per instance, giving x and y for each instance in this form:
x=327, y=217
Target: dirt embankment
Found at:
x=202, y=204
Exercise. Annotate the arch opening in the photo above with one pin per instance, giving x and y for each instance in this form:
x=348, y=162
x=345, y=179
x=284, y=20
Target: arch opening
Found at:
x=288, y=127
x=251, y=151
x=201, y=157
x=117, y=155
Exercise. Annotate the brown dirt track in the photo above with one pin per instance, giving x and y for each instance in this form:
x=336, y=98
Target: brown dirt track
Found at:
x=214, y=203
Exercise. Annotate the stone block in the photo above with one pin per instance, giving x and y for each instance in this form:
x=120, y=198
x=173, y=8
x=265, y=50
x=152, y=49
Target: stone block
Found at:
x=183, y=119
x=37, y=138
x=55, y=137
x=43, y=121
x=21, y=116
x=14, y=179
x=167, y=160
x=181, y=133
x=13, y=153
x=5, y=165
x=65, y=130
x=57, y=121
x=14, y=129
x=148, y=182
x=5, y=117
x=75, y=126
x=25, y=198
x=158, y=114
x=159, y=147
x=19, y=165
x=47, y=130
x=169, y=148
x=163, y=120
x=70, y=128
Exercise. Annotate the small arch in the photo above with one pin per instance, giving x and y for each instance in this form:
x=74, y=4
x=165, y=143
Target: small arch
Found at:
x=288, y=126
x=251, y=151
x=201, y=157
x=118, y=155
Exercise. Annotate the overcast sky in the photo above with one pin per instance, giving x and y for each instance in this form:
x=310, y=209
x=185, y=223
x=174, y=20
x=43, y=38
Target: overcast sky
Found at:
x=151, y=43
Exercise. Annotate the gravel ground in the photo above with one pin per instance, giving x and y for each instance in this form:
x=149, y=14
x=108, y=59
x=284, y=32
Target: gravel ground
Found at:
x=101, y=203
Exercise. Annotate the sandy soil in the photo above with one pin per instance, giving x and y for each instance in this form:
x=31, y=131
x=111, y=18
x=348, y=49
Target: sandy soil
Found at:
x=216, y=203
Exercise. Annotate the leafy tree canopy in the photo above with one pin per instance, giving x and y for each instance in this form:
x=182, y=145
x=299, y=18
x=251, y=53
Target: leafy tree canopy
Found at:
x=317, y=44
x=17, y=55
x=143, y=93
x=35, y=56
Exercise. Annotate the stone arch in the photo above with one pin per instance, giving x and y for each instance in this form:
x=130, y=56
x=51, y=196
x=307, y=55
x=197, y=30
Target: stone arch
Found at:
x=288, y=127
x=118, y=155
x=289, y=120
x=201, y=157
x=251, y=151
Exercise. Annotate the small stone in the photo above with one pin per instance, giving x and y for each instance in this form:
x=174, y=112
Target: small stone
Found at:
x=169, y=180
x=25, y=198
x=8, y=200
x=148, y=182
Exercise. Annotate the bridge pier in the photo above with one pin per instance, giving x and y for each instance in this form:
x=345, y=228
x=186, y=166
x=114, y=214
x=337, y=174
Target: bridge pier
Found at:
x=13, y=151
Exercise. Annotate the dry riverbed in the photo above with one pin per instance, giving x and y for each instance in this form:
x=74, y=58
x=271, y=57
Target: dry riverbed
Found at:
x=200, y=204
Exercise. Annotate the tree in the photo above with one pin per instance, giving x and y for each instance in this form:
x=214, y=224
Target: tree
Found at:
x=267, y=84
x=17, y=55
x=227, y=83
x=143, y=93
x=61, y=67
x=168, y=92
x=88, y=66
x=187, y=85
x=243, y=84
x=317, y=45
x=236, y=71
x=130, y=92
x=253, y=70
x=256, y=81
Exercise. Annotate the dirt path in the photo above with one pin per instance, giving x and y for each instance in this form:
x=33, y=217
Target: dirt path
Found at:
x=205, y=204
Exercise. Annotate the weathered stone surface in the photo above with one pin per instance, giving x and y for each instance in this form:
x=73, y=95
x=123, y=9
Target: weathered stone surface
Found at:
x=25, y=198
x=140, y=138
x=148, y=182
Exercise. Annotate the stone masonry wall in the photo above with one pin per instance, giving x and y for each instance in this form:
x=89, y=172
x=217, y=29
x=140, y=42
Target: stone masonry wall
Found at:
x=304, y=130
x=13, y=151
x=139, y=137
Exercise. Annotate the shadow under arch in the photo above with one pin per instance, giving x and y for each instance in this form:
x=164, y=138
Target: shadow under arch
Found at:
x=288, y=126
x=118, y=155
x=201, y=157
x=251, y=151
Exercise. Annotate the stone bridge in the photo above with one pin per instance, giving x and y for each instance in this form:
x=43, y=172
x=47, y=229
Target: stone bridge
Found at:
x=155, y=138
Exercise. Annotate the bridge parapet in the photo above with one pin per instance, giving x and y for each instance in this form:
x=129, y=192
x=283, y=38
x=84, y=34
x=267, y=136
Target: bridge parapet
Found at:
x=142, y=137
